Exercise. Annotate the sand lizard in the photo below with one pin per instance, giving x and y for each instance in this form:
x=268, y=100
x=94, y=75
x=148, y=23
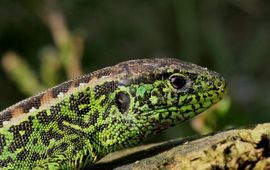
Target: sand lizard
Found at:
x=79, y=121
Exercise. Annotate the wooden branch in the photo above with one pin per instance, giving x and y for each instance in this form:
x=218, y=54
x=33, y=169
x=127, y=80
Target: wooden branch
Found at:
x=247, y=148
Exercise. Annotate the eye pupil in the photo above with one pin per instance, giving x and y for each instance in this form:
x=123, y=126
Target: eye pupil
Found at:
x=122, y=101
x=178, y=81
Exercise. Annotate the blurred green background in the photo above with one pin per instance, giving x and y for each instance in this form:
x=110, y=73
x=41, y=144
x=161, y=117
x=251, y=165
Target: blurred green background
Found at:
x=43, y=43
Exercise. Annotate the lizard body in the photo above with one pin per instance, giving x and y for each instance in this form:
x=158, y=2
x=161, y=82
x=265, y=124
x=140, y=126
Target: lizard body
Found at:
x=79, y=121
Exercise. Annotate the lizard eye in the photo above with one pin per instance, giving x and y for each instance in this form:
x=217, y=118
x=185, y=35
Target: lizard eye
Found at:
x=122, y=101
x=178, y=81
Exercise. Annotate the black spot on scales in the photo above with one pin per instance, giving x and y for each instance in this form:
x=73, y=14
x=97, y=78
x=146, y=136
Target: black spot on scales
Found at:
x=70, y=130
x=35, y=156
x=192, y=76
x=104, y=101
x=20, y=141
x=51, y=150
x=76, y=101
x=106, y=88
x=106, y=113
x=101, y=127
x=44, y=118
x=50, y=134
x=190, y=90
x=198, y=98
x=176, y=71
x=63, y=146
x=78, y=145
x=5, y=116
x=104, y=72
x=93, y=118
x=22, y=155
x=83, y=79
x=165, y=75
x=57, y=148
x=125, y=68
x=35, y=141
x=2, y=142
x=150, y=78
x=62, y=88
x=5, y=162
x=33, y=102
x=210, y=95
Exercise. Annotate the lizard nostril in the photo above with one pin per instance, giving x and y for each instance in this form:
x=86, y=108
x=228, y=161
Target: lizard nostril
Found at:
x=219, y=84
x=209, y=83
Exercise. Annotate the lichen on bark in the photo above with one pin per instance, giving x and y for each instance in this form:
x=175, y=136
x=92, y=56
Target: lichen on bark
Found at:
x=246, y=148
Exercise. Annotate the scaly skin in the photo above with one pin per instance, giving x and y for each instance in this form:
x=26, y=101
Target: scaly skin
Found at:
x=78, y=122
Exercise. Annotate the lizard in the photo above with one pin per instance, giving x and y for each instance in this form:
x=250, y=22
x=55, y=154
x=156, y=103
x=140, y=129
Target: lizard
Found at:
x=78, y=122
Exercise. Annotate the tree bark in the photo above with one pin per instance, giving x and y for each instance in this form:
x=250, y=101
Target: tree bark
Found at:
x=246, y=148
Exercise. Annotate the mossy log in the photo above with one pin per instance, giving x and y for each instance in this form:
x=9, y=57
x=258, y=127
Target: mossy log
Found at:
x=247, y=148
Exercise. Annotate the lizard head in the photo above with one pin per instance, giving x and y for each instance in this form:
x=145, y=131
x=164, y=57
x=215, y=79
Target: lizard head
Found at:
x=152, y=95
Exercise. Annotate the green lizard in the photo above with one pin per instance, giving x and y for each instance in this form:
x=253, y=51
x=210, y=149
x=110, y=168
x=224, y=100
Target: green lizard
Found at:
x=79, y=121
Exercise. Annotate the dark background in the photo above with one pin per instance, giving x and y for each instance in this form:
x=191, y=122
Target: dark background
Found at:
x=43, y=43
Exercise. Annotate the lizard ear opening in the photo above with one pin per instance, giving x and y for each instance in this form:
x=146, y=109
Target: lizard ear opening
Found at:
x=122, y=101
x=178, y=81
